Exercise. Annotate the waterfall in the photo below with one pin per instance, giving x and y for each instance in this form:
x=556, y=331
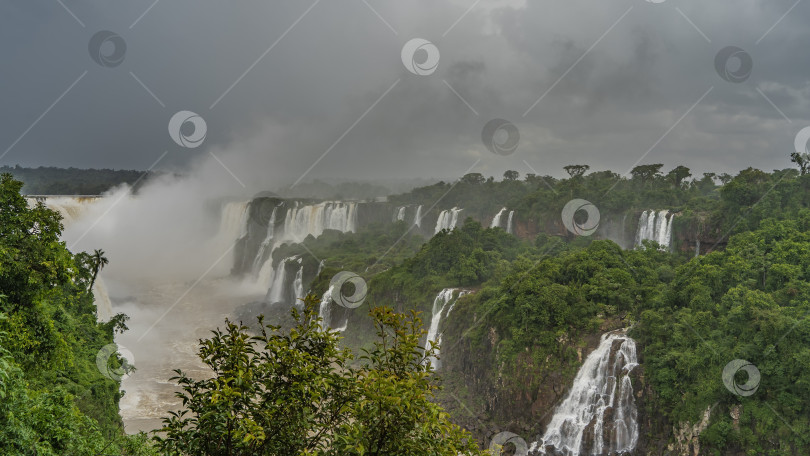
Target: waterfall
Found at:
x=417, y=220
x=320, y=267
x=325, y=310
x=258, y=262
x=276, y=292
x=441, y=302
x=233, y=225
x=655, y=227
x=102, y=300
x=300, y=222
x=303, y=221
x=70, y=207
x=447, y=219
x=298, y=286
x=496, y=221
x=599, y=416
x=509, y=222
x=399, y=213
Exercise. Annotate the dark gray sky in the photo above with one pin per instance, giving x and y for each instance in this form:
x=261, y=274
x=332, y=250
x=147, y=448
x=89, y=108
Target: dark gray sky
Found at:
x=618, y=79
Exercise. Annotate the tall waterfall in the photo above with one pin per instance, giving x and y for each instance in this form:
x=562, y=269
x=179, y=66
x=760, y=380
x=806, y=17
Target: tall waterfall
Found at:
x=599, y=416
x=298, y=286
x=447, y=219
x=325, y=309
x=440, y=303
x=399, y=213
x=302, y=221
x=276, y=293
x=417, y=220
x=496, y=221
x=655, y=227
x=509, y=222
x=234, y=221
x=299, y=222
x=259, y=261
x=102, y=300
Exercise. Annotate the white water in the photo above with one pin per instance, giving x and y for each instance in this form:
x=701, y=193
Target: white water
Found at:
x=298, y=286
x=656, y=227
x=325, y=310
x=417, y=220
x=601, y=398
x=71, y=208
x=496, y=221
x=441, y=302
x=102, y=299
x=509, y=222
x=276, y=292
x=301, y=222
x=259, y=261
x=447, y=219
x=399, y=214
x=233, y=224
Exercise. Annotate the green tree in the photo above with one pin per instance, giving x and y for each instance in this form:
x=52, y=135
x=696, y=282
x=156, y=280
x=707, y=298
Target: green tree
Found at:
x=98, y=261
x=802, y=161
x=511, y=175
x=473, y=178
x=576, y=170
x=678, y=174
x=294, y=393
x=646, y=173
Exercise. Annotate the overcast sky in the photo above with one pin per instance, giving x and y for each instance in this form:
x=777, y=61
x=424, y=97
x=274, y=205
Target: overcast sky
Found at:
x=282, y=83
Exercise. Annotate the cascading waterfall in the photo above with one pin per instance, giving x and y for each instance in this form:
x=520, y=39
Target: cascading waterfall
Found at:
x=303, y=221
x=399, y=214
x=233, y=225
x=599, y=415
x=298, y=286
x=417, y=220
x=509, y=222
x=441, y=302
x=259, y=261
x=447, y=219
x=300, y=222
x=656, y=227
x=276, y=292
x=70, y=207
x=102, y=300
x=496, y=221
x=325, y=309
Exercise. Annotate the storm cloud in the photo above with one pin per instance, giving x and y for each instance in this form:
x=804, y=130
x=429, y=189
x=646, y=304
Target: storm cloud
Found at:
x=295, y=90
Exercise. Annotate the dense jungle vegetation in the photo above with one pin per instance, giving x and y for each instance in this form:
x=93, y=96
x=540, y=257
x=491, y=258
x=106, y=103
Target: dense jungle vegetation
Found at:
x=748, y=298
